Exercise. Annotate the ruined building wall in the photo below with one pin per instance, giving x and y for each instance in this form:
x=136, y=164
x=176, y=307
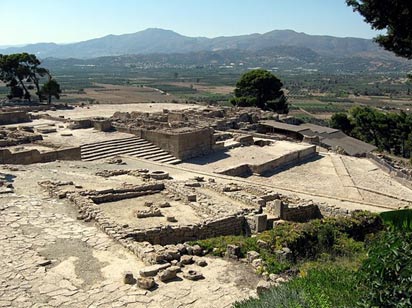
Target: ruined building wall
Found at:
x=13, y=117
x=292, y=157
x=183, y=145
x=298, y=213
x=289, y=158
x=231, y=225
x=34, y=156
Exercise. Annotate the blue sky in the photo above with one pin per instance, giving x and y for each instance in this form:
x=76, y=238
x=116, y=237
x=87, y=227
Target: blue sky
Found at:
x=60, y=21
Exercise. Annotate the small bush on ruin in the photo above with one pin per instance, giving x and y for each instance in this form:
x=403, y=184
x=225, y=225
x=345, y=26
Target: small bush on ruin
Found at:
x=324, y=239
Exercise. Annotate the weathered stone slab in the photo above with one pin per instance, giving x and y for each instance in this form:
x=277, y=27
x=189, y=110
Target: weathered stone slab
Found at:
x=152, y=270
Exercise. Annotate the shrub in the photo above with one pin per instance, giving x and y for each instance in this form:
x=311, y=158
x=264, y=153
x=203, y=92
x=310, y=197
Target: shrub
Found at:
x=386, y=275
x=401, y=220
x=331, y=237
x=326, y=286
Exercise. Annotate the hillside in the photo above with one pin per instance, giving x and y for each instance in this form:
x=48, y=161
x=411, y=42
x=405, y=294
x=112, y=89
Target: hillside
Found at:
x=152, y=41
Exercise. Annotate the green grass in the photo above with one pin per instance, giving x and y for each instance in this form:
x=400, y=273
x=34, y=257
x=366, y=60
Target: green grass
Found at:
x=319, y=107
x=172, y=89
x=326, y=239
x=324, y=285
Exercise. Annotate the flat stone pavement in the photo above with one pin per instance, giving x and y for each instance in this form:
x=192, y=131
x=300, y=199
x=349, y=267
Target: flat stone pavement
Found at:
x=49, y=259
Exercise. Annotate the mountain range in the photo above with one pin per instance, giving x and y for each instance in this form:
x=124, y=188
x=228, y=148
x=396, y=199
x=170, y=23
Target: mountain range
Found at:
x=159, y=41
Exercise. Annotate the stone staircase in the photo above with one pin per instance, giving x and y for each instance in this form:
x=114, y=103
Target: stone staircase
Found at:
x=132, y=146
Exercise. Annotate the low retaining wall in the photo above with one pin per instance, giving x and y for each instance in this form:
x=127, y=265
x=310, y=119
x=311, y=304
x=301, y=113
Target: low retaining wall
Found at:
x=289, y=158
x=34, y=156
x=14, y=117
x=231, y=225
x=111, y=195
x=297, y=213
x=240, y=170
x=396, y=174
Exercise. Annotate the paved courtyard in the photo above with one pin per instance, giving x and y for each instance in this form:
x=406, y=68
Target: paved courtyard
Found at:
x=50, y=259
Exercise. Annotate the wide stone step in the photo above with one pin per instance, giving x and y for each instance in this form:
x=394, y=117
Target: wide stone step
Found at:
x=133, y=146
x=150, y=154
x=118, y=148
x=107, y=155
x=174, y=161
x=161, y=157
x=119, y=143
x=153, y=156
x=144, y=151
x=111, y=141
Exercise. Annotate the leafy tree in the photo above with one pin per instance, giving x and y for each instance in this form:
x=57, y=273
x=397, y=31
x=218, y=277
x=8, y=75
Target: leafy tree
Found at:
x=22, y=72
x=364, y=121
x=262, y=89
x=390, y=131
x=50, y=89
x=394, y=16
x=340, y=120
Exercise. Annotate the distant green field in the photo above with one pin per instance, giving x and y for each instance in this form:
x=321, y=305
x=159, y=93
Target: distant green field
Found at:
x=319, y=107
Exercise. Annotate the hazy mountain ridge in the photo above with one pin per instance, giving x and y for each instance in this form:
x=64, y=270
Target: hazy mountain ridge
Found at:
x=283, y=58
x=159, y=41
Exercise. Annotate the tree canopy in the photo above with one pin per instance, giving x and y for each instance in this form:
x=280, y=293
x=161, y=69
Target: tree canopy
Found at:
x=22, y=72
x=51, y=88
x=394, y=16
x=262, y=89
x=390, y=131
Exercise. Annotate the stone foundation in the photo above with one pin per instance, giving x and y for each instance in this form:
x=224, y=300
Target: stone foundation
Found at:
x=14, y=117
x=34, y=156
x=284, y=160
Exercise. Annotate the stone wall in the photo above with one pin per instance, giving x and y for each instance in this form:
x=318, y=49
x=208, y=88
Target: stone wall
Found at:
x=183, y=145
x=301, y=213
x=239, y=170
x=34, y=156
x=13, y=117
x=230, y=225
x=111, y=195
x=103, y=125
x=289, y=158
x=399, y=176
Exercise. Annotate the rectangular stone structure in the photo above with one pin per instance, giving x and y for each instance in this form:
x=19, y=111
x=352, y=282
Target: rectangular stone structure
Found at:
x=261, y=222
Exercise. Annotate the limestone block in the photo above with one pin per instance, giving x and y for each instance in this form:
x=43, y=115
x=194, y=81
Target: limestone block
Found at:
x=146, y=283
x=257, y=263
x=167, y=275
x=151, y=271
x=233, y=251
x=252, y=255
x=263, y=286
x=201, y=263
x=186, y=259
x=193, y=275
x=171, y=219
x=128, y=278
x=164, y=204
x=197, y=250
x=261, y=222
